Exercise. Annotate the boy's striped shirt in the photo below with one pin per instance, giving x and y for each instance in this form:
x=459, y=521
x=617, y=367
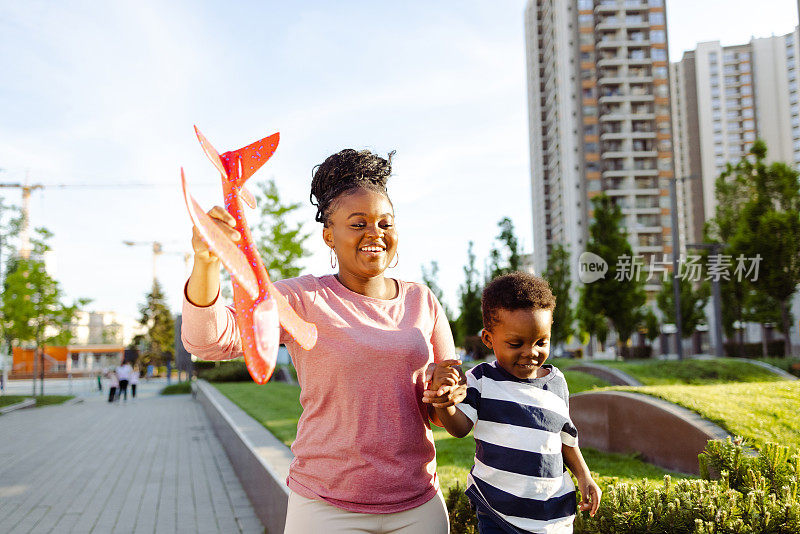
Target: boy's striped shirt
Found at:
x=519, y=427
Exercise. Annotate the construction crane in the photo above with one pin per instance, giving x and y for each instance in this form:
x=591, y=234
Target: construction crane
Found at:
x=158, y=250
x=26, y=188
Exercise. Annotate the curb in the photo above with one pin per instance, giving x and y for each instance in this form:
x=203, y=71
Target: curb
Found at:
x=27, y=403
x=777, y=370
x=615, y=377
x=664, y=433
x=260, y=460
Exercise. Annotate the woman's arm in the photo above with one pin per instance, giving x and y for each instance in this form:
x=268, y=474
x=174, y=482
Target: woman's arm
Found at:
x=208, y=329
x=203, y=286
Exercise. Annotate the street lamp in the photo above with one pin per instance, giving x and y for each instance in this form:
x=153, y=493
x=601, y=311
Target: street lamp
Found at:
x=676, y=247
x=716, y=293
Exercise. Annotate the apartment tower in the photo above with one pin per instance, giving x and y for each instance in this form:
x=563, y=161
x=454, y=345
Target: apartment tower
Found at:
x=723, y=98
x=600, y=121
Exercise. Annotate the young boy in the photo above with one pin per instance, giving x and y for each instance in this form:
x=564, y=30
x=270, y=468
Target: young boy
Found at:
x=520, y=410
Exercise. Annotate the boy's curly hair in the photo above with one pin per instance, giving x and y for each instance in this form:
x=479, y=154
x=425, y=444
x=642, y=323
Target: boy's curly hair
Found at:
x=343, y=172
x=515, y=291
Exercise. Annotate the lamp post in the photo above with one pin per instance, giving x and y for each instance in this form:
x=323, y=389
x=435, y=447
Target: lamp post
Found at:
x=716, y=294
x=676, y=247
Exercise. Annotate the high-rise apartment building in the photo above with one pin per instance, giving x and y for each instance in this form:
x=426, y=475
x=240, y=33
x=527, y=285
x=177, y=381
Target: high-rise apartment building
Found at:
x=723, y=98
x=600, y=121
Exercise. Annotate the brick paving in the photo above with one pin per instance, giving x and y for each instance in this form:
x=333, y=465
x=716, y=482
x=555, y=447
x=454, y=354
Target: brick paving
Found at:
x=150, y=466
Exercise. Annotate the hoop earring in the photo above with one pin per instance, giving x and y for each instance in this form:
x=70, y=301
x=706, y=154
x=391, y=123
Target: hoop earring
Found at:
x=334, y=261
x=396, y=260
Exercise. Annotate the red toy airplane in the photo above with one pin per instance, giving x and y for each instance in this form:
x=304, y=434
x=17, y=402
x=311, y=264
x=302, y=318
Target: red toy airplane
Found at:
x=260, y=308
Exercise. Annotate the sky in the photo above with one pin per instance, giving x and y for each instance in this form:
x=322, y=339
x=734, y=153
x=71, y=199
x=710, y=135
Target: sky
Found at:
x=104, y=94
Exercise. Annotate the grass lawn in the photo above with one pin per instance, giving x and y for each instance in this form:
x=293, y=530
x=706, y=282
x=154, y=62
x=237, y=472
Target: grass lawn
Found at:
x=657, y=372
x=759, y=411
x=783, y=363
x=276, y=406
x=46, y=400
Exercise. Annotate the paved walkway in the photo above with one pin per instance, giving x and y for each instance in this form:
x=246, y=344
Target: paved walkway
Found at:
x=153, y=465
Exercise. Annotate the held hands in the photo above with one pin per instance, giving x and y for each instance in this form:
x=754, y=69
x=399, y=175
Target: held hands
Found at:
x=590, y=495
x=225, y=222
x=447, y=386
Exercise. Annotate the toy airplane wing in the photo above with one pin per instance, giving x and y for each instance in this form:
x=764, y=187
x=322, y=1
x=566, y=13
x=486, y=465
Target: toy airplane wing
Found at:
x=235, y=261
x=221, y=245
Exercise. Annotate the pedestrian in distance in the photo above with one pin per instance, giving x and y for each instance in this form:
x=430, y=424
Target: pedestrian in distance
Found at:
x=360, y=466
x=113, y=384
x=519, y=408
x=134, y=380
x=124, y=374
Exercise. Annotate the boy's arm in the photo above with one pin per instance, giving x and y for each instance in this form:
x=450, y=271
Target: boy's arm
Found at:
x=590, y=491
x=454, y=421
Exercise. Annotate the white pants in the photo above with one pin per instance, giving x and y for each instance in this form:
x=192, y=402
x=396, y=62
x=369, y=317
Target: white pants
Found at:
x=313, y=516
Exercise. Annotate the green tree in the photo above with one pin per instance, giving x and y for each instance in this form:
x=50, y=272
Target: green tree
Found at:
x=429, y=278
x=470, y=319
x=733, y=189
x=619, y=296
x=159, y=343
x=769, y=229
x=693, y=303
x=557, y=274
x=31, y=305
x=506, y=258
x=281, y=245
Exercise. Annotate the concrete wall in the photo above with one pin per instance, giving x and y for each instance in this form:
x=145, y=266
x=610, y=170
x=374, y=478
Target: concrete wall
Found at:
x=663, y=433
x=261, y=461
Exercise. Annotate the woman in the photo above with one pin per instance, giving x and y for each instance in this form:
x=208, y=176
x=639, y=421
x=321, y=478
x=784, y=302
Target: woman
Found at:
x=364, y=454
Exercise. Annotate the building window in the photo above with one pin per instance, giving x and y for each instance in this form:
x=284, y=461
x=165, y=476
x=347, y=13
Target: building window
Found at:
x=747, y=101
x=660, y=72
x=748, y=112
x=658, y=36
x=583, y=5
x=745, y=78
x=712, y=58
x=657, y=18
x=747, y=90
x=659, y=54
x=585, y=20
x=656, y=3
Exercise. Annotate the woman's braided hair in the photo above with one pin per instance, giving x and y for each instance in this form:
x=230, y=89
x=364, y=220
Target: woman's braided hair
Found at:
x=345, y=171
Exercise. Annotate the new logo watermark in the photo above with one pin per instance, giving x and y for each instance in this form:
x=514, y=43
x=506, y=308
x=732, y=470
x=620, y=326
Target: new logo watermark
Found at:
x=591, y=267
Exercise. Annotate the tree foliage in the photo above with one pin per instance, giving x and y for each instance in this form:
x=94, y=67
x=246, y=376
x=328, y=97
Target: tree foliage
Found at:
x=758, y=216
x=470, y=320
x=505, y=258
x=557, y=274
x=615, y=298
x=280, y=245
x=159, y=342
x=430, y=278
x=31, y=306
x=693, y=303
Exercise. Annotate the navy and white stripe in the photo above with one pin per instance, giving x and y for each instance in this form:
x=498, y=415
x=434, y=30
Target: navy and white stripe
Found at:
x=519, y=428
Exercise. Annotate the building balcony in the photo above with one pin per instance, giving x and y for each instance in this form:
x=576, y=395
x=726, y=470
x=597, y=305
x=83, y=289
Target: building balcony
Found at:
x=611, y=80
x=612, y=61
x=606, y=7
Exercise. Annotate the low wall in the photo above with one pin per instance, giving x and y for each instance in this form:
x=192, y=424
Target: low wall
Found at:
x=615, y=377
x=663, y=433
x=260, y=460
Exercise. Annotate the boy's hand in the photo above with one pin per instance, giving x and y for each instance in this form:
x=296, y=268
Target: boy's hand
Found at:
x=446, y=384
x=590, y=495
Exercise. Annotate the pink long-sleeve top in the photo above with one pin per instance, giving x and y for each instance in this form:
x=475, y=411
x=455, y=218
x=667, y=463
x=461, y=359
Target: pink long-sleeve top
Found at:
x=364, y=441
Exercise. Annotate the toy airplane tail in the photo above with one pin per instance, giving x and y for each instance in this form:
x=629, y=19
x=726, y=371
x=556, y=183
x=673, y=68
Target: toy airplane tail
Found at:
x=239, y=165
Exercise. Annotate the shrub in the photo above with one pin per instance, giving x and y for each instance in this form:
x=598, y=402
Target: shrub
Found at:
x=637, y=352
x=752, y=350
x=236, y=371
x=740, y=493
x=180, y=388
x=462, y=517
x=228, y=371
